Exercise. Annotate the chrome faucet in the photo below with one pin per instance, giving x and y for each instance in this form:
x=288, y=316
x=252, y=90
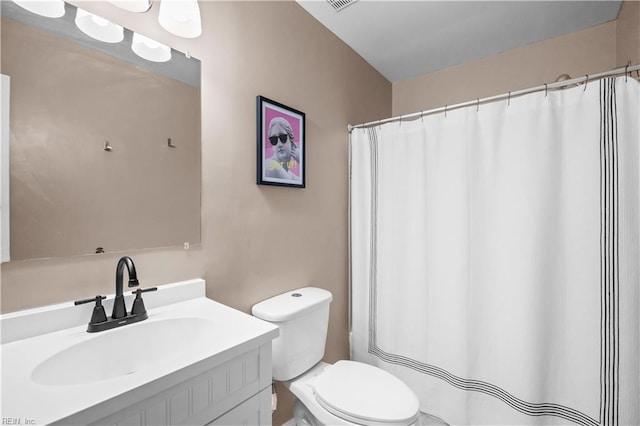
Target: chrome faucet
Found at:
x=119, y=308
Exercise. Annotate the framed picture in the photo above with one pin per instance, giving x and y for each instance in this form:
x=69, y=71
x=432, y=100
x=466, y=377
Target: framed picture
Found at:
x=281, y=144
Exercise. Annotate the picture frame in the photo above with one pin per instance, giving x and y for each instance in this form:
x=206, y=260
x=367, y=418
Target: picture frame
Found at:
x=282, y=163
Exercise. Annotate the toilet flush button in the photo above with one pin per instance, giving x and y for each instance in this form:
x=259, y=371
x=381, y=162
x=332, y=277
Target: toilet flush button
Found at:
x=296, y=295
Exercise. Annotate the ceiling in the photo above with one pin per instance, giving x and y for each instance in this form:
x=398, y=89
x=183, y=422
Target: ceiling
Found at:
x=404, y=39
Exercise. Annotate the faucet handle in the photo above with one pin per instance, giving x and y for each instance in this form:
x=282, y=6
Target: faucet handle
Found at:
x=143, y=290
x=98, y=315
x=138, y=304
x=98, y=299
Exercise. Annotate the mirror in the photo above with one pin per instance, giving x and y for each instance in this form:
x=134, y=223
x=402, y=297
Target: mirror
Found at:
x=104, y=145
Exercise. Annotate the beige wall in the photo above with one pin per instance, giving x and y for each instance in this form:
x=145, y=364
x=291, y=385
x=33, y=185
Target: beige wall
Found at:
x=257, y=241
x=579, y=53
x=628, y=34
x=589, y=51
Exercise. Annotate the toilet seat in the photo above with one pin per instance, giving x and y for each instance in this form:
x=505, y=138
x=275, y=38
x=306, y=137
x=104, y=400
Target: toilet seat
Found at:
x=363, y=394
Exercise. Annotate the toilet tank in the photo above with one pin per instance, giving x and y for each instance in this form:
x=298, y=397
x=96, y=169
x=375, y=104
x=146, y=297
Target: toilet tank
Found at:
x=302, y=316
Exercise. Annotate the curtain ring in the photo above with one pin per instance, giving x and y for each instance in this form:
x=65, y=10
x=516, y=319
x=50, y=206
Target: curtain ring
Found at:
x=626, y=69
x=477, y=104
x=422, y=116
x=586, y=82
x=509, y=99
x=401, y=121
x=445, y=111
x=545, y=90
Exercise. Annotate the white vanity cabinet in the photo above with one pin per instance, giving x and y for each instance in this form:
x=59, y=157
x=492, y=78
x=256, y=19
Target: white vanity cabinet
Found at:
x=236, y=392
x=194, y=361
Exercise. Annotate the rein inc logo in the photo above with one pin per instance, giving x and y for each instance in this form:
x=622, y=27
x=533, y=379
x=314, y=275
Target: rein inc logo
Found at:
x=17, y=421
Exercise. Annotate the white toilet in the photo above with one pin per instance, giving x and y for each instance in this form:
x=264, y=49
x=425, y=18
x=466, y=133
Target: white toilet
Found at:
x=344, y=393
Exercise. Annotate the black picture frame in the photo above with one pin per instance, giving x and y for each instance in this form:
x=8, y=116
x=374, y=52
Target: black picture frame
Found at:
x=282, y=163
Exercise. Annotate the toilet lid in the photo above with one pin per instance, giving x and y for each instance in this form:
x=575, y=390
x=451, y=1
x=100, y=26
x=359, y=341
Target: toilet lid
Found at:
x=365, y=394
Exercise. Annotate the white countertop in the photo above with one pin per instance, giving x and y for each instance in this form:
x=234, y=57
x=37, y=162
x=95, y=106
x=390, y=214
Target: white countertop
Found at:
x=232, y=333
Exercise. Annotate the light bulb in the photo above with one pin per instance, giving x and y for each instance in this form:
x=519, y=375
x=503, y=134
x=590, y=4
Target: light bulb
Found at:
x=46, y=8
x=98, y=27
x=133, y=5
x=150, y=49
x=180, y=17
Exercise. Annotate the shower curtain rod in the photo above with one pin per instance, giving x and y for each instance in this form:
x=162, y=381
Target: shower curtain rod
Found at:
x=556, y=85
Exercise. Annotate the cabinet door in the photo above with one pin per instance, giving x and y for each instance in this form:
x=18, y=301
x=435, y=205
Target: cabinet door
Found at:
x=198, y=400
x=254, y=411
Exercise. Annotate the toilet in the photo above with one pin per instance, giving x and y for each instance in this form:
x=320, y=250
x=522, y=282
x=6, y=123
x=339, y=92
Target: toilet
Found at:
x=344, y=393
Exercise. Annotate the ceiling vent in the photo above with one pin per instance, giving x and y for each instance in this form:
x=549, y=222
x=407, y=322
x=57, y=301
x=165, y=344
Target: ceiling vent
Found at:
x=338, y=5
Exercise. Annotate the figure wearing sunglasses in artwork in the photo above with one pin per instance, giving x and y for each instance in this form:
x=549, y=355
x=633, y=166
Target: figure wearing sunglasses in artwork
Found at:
x=285, y=151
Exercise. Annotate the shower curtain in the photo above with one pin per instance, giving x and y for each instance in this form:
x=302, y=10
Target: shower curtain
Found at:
x=494, y=257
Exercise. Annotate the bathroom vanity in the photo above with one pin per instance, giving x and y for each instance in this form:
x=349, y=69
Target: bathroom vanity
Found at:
x=193, y=361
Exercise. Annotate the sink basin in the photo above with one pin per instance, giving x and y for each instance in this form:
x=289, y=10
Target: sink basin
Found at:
x=123, y=351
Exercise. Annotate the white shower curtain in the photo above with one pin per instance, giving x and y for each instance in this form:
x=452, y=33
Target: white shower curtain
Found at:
x=494, y=257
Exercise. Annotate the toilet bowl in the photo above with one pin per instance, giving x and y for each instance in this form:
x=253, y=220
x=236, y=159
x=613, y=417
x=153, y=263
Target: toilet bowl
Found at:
x=352, y=393
x=344, y=393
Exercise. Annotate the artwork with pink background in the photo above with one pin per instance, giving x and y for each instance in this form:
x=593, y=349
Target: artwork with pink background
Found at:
x=270, y=114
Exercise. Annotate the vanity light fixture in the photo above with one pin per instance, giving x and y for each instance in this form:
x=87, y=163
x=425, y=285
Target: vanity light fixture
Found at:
x=150, y=49
x=180, y=17
x=46, y=8
x=98, y=27
x=133, y=5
